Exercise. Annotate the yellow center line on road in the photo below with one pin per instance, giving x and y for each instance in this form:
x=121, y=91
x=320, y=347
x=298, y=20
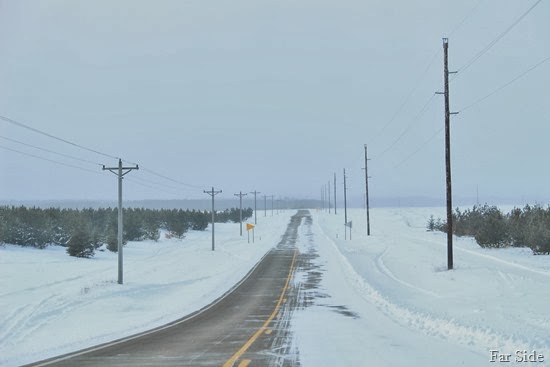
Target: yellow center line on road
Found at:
x=231, y=361
x=244, y=363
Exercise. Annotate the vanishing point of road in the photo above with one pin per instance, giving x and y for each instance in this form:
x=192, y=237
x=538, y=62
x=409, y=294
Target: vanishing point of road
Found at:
x=249, y=326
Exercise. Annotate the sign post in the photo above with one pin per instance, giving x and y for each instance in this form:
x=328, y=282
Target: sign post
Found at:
x=248, y=228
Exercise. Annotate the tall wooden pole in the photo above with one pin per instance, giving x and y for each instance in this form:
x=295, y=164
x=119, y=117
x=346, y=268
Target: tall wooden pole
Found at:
x=448, y=158
x=335, y=193
x=213, y=193
x=367, y=189
x=345, y=208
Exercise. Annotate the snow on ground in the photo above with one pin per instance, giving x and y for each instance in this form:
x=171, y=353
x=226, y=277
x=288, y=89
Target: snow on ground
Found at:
x=399, y=306
x=384, y=300
x=51, y=303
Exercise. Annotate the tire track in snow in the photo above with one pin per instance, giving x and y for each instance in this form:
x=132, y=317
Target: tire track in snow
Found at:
x=448, y=329
x=379, y=261
x=505, y=262
x=27, y=319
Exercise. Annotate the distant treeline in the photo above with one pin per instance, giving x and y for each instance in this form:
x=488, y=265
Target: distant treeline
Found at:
x=83, y=231
x=527, y=227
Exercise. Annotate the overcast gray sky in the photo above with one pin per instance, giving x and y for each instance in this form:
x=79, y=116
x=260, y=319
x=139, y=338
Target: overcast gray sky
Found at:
x=274, y=96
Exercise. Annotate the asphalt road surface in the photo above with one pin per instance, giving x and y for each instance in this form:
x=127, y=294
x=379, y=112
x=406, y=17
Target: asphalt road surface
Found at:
x=247, y=327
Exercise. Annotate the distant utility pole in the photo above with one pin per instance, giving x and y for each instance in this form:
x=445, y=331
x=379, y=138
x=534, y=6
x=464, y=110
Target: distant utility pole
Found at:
x=120, y=172
x=345, y=208
x=328, y=196
x=272, y=204
x=265, y=205
x=212, y=193
x=240, y=195
x=335, y=193
x=448, y=154
x=255, y=210
x=367, y=189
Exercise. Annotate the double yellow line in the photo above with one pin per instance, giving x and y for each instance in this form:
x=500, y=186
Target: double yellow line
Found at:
x=231, y=361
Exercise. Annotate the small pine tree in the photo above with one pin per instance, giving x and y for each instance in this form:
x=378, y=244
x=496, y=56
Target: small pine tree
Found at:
x=81, y=243
x=112, y=240
x=431, y=224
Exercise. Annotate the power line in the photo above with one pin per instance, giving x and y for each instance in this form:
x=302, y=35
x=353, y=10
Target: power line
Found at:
x=49, y=160
x=466, y=17
x=415, y=119
x=20, y=124
x=49, y=151
x=410, y=94
x=426, y=142
x=25, y=126
x=151, y=182
x=169, y=178
x=498, y=38
x=424, y=73
x=150, y=185
x=506, y=84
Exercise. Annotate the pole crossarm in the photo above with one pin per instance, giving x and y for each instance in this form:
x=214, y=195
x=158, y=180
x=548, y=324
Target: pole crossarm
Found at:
x=115, y=169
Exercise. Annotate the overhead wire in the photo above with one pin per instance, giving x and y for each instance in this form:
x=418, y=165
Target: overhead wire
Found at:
x=407, y=129
x=506, y=84
x=470, y=63
x=419, y=80
x=25, y=126
x=134, y=180
x=171, y=179
x=498, y=38
x=44, y=133
x=410, y=94
x=49, y=160
x=466, y=17
x=49, y=150
x=426, y=142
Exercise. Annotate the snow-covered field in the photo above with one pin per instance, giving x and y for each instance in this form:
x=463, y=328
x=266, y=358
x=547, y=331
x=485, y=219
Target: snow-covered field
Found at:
x=383, y=300
x=407, y=309
x=51, y=303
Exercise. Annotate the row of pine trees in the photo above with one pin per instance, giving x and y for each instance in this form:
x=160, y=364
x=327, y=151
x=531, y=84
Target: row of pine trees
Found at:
x=83, y=231
x=527, y=227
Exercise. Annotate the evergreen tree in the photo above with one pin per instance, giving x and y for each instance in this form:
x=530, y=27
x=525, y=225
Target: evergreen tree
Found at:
x=81, y=243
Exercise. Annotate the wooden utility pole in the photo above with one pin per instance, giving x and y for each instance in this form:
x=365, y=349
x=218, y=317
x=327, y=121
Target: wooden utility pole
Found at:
x=367, y=189
x=255, y=217
x=448, y=156
x=328, y=191
x=119, y=172
x=345, y=208
x=335, y=193
x=212, y=193
x=240, y=195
